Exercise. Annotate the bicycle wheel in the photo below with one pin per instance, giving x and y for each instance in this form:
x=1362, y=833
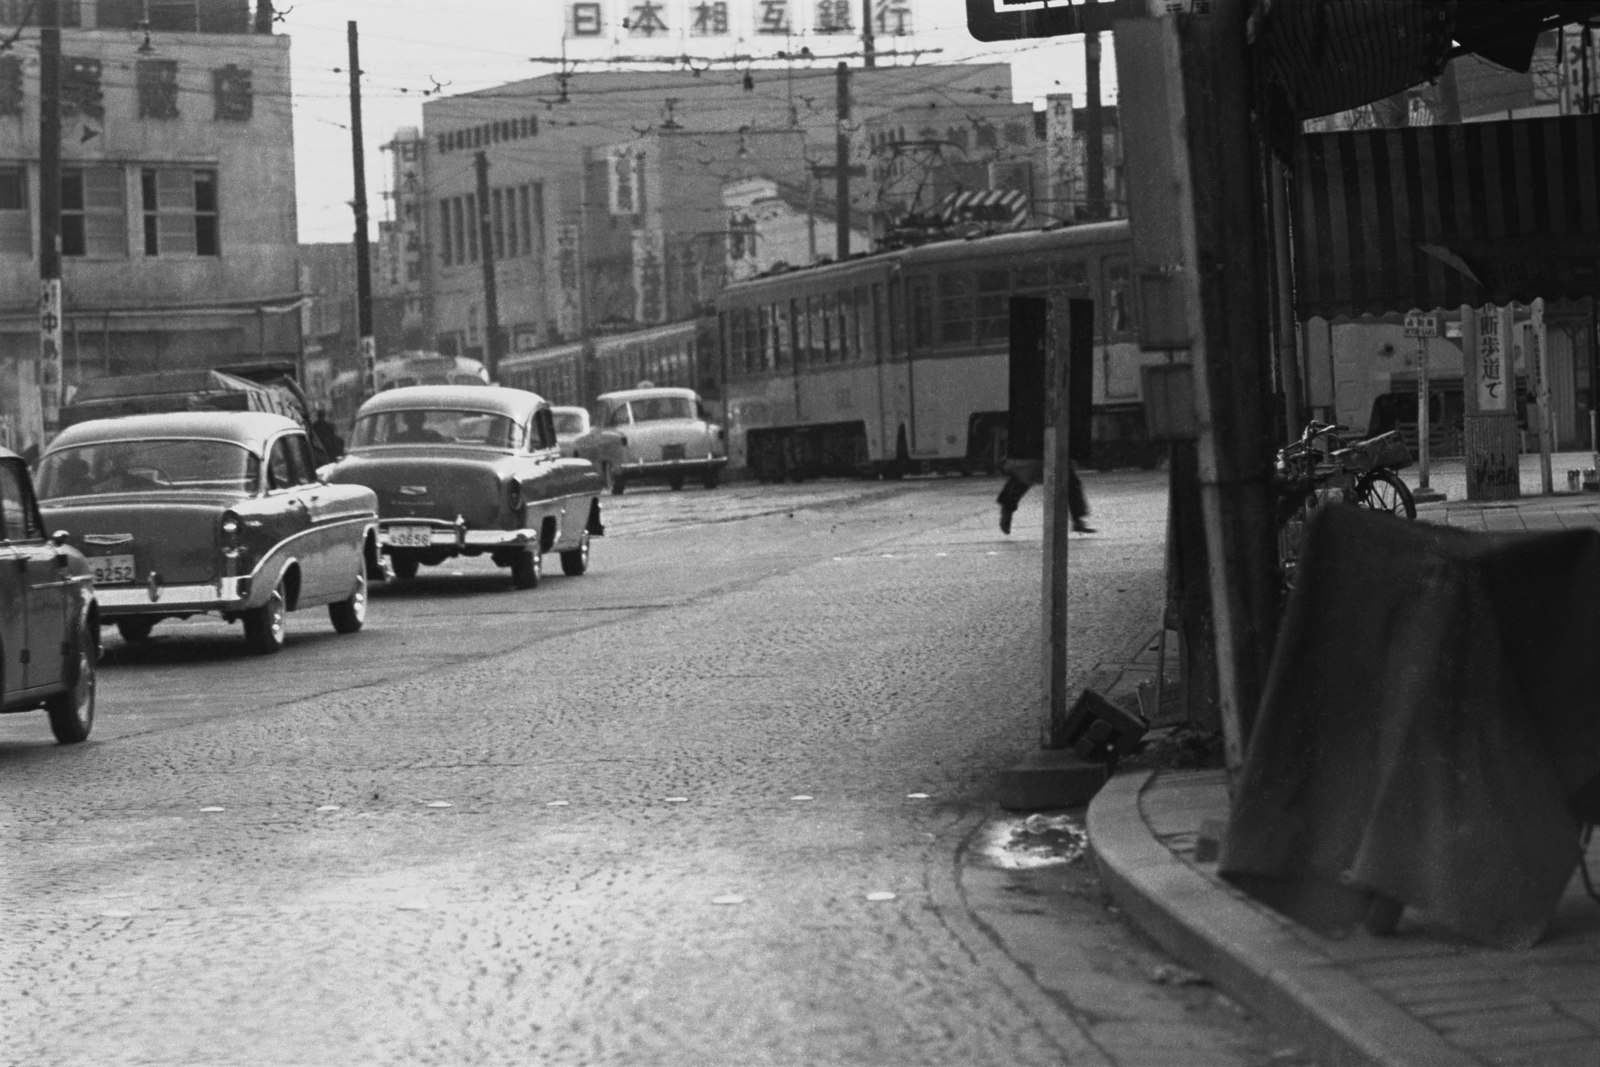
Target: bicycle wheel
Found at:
x=1382, y=490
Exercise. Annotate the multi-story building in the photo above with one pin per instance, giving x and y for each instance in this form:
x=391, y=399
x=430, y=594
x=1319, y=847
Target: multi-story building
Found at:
x=606, y=190
x=178, y=227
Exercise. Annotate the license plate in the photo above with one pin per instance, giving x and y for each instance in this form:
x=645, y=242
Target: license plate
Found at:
x=111, y=570
x=410, y=536
x=672, y=451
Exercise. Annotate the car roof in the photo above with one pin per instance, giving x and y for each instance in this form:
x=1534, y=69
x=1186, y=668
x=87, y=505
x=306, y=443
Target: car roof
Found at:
x=658, y=390
x=518, y=404
x=251, y=429
x=569, y=409
x=6, y=453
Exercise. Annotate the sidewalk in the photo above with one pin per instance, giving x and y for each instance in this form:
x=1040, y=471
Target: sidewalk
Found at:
x=1414, y=998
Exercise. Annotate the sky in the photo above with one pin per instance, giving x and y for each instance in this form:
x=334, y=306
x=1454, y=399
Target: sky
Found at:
x=411, y=50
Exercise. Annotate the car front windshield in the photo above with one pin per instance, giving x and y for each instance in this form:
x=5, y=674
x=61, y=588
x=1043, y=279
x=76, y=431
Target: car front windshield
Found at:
x=440, y=426
x=144, y=466
x=568, y=422
x=658, y=408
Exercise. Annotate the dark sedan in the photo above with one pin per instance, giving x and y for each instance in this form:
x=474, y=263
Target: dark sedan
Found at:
x=468, y=471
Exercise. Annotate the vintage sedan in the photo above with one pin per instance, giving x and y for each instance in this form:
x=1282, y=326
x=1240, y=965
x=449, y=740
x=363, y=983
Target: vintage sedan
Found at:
x=189, y=513
x=49, y=624
x=467, y=471
x=571, y=424
x=654, y=432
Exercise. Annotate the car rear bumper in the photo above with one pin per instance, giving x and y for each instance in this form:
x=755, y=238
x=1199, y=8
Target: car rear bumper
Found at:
x=449, y=536
x=150, y=598
x=699, y=465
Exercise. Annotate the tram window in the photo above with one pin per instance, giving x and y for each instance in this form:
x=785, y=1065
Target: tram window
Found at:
x=1073, y=278
x=993, y=304
x=768, y=338
x=957, y=308
x=919, y=313
x=785, y=335
x=822, y=329
x=1118, y=297
x=847, y=315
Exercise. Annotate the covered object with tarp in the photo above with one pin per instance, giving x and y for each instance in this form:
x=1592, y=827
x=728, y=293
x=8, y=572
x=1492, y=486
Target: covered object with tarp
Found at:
x=1430, y=731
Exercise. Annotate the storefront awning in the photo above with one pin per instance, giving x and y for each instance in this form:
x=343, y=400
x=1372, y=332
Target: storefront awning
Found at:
x=1387, y=220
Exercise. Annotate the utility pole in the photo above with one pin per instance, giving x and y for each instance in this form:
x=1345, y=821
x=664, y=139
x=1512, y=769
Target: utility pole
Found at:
x=1232, y=394
x=49, y=369
x=491, y=296
x=367, y=350
x=841, y=172
x=868, y=59
x=1094, y=128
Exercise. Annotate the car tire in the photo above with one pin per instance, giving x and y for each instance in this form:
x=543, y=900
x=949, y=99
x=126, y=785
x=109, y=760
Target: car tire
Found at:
x=575, y=561
x=136, y=629
x=527, y=567
x=675, y=482
x=711, y=478
x=605, y=476
x=263, y=626
x=350, y=614
x=618, y=484
x=72, y=711
x=403, y=566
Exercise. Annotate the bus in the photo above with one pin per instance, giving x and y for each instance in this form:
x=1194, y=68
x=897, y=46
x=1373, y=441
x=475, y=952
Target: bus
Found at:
x=898, y=362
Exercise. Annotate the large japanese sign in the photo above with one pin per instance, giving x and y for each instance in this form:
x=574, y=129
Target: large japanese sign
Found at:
x=1490, y=368
x=649, y=276
x=568, y=270
x=605, y=20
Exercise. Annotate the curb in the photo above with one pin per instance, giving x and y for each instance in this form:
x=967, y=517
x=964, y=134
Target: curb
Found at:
x=1253, y=954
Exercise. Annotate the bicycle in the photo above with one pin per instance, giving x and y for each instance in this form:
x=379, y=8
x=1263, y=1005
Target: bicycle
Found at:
x=1324, y=467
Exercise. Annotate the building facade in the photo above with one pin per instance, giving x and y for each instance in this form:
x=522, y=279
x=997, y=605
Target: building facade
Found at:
x=178, y=225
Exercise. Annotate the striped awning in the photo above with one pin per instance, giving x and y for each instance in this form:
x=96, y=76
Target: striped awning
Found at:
x=1387, y=220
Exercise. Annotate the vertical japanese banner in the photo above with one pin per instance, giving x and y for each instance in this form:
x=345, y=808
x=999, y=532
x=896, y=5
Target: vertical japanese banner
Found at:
x=1059, y=151
x=1489, y=363
x=650, y=297
x=568, y=271
x=50, y=354
x=622, y=180
x=1539, y=370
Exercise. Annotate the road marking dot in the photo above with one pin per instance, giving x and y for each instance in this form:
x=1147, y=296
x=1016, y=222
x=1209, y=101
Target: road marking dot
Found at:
x=329, y=807
x=676, y=800
x=213, y=809
x=439, y=804
x=557, y=803
x=802, y=796
x=916, y=796
x=880, y=896
x=728, y=898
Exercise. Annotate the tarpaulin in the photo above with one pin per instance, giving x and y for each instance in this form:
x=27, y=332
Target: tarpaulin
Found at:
x=1430, y=728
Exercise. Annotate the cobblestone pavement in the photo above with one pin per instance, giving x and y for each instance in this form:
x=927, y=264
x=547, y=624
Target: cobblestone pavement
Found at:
x=706, y=805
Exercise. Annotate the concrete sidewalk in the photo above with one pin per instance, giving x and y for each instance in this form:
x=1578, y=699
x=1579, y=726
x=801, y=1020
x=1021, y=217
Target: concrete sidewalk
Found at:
x=1414, y=998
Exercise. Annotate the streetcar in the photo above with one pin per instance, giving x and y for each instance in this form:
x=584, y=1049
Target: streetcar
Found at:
x=898, y=362
x=679, y=354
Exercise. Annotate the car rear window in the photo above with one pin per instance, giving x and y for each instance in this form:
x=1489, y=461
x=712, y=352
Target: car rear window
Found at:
x=434, y=426
x=657, y=408
x=142, y=466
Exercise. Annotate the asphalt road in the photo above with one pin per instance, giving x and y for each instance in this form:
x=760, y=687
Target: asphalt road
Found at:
x=711, y=803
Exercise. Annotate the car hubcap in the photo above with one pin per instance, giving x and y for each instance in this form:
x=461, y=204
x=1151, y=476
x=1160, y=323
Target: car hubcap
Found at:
x=276, y=623
x=84, y=690
x=358, y=599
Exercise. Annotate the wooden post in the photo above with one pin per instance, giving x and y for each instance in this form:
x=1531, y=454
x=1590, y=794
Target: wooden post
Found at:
x=1539, y=367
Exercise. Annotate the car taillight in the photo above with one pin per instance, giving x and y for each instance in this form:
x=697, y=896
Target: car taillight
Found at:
x=230, y=532
x=514, y=495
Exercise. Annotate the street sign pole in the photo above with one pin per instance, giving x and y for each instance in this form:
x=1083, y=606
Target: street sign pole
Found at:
x=1423, y=326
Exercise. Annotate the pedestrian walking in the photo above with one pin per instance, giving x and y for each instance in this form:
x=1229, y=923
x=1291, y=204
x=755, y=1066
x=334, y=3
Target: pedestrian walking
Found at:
x=1022, y=475
x=326, y=436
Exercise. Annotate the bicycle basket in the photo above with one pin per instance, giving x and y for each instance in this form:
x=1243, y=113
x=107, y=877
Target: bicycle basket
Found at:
x=1385, y=450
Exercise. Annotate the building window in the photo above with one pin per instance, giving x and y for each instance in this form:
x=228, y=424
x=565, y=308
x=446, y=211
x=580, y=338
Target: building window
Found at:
x=158, y=88
x=94, y=219
x=472, y=228
x=458, y=246
x=446, y=246
x=16, y=220
x=11, y=91
x=232, y=97
x=497, y=223
x=180, y=212
x=513, y=231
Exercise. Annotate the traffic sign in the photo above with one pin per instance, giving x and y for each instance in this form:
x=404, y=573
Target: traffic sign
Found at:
x=1011, y=20
x=1420, y=325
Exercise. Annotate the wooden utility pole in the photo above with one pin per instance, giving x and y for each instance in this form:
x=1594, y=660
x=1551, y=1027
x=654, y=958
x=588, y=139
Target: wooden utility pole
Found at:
x=491, y=296
x=1232, y=386
x=868, y=46
x=841, y=164
x=49, y=369
x=1094, y=129
x=367, y=350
